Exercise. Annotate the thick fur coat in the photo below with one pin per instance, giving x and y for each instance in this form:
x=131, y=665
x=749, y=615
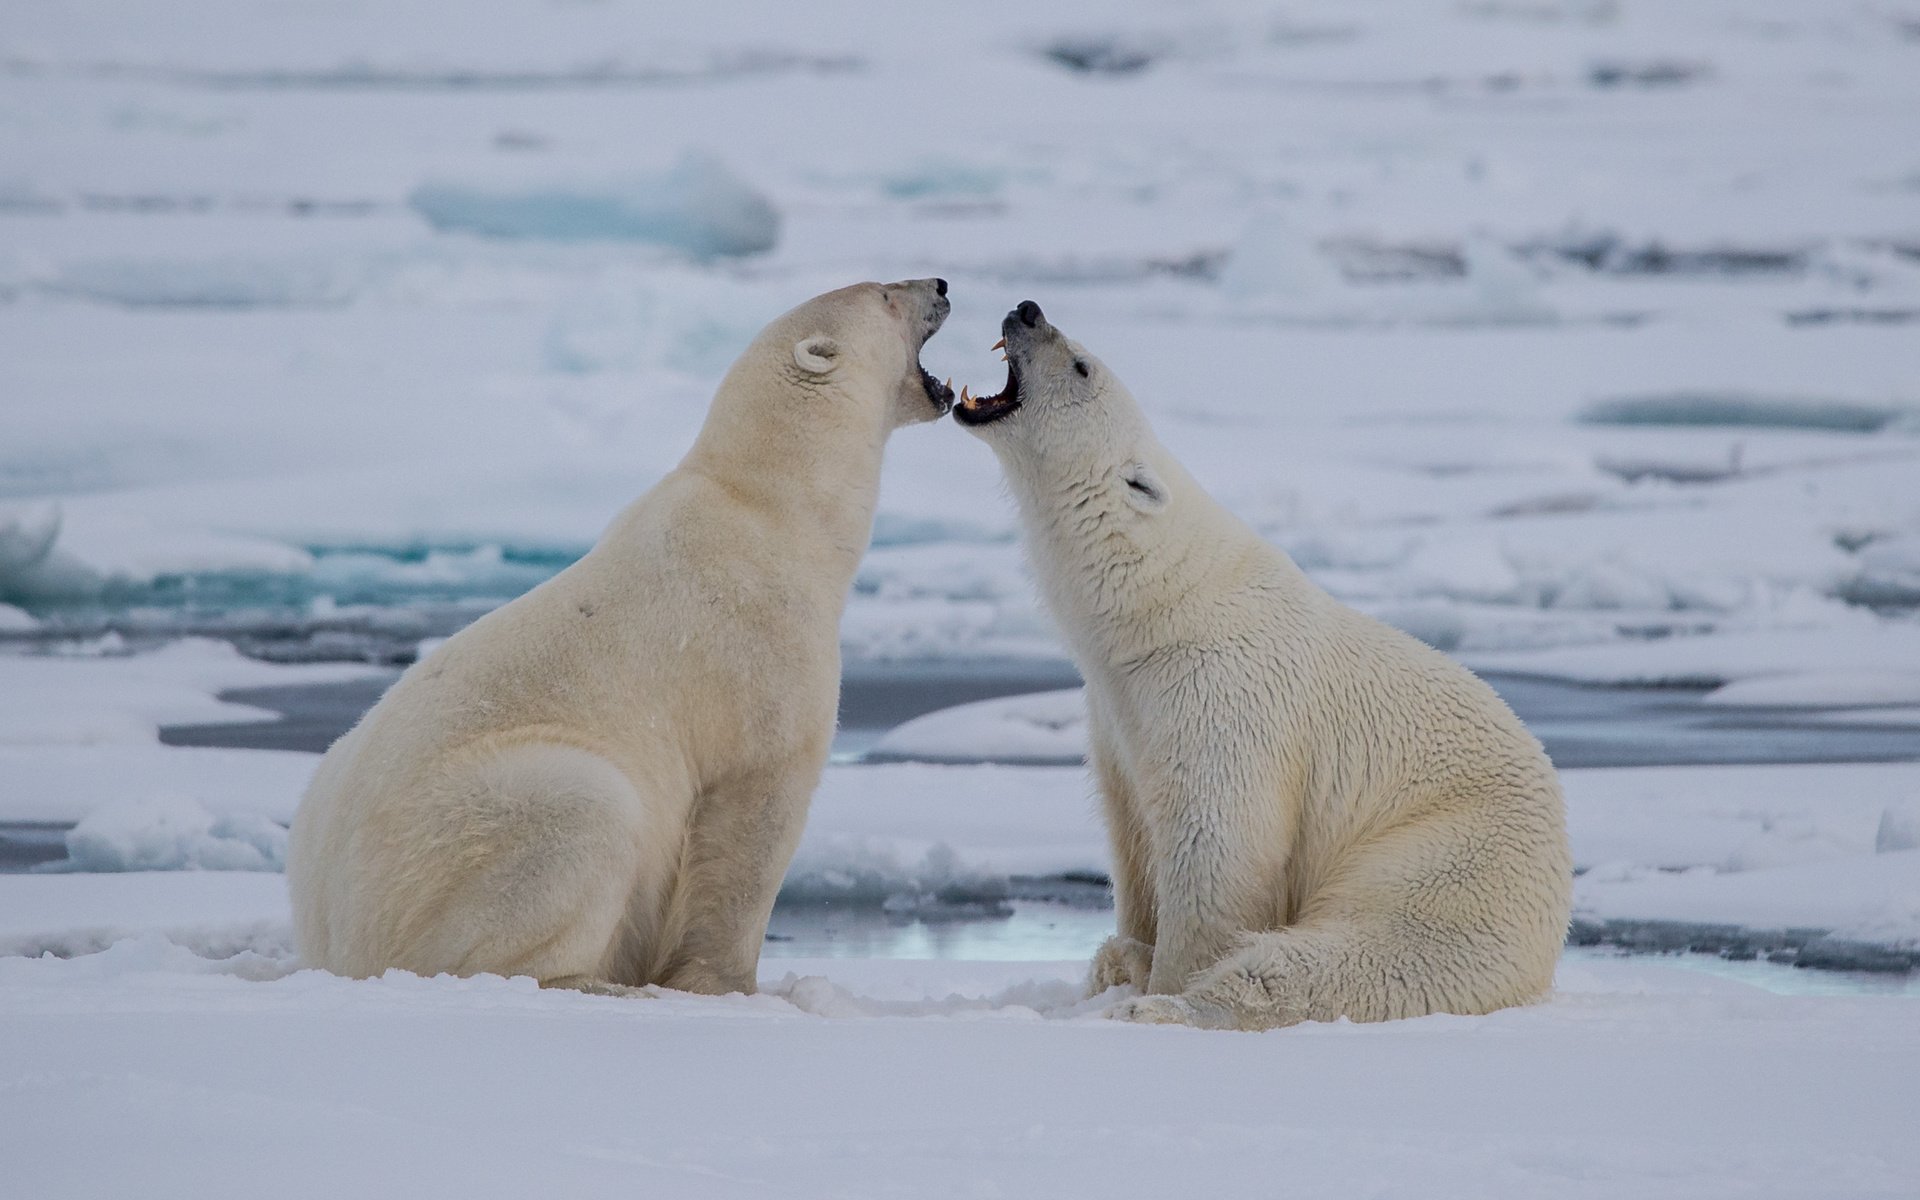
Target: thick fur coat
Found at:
x=601, y=783
x=1312, y=814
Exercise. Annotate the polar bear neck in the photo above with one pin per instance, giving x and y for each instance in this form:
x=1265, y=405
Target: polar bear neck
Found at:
x=1117, y=579
x=807, y=464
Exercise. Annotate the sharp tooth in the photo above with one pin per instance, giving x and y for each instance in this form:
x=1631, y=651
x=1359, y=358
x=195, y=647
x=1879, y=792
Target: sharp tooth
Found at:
x=1001, y=344
x=948, y=384
x=965, y=399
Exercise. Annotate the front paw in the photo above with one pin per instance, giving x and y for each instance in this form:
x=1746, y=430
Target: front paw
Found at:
x=704, y=979
x=1172, y=1010
x=1120, y=962
x=1153, y=1010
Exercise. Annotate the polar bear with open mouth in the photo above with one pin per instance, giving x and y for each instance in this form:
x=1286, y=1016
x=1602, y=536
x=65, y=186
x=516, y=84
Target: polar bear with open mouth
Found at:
x=601, y=783
x=1312, y=815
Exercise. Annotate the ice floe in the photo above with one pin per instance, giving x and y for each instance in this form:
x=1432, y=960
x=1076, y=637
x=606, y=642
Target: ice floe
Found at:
x=698, y=206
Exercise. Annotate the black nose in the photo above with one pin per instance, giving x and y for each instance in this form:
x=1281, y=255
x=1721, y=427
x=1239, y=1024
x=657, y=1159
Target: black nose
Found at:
x=1029, y=313
x=940, y=285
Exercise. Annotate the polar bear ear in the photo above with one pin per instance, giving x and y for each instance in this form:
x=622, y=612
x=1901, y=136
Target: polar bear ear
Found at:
x=817, y=355
x=1143, y=487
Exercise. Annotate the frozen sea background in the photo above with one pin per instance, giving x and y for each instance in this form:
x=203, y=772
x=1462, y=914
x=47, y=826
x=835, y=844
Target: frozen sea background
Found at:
x=1580, y=338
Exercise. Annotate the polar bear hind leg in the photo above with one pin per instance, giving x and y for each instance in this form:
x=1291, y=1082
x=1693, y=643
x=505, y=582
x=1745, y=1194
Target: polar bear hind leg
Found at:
x=1440, y=915
x=526, y=865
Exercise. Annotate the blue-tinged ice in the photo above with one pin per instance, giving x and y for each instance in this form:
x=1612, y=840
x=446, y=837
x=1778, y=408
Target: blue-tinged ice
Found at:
x=698, y=206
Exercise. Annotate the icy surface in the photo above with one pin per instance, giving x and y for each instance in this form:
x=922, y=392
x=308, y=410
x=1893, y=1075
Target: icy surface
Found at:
x=1530, y=327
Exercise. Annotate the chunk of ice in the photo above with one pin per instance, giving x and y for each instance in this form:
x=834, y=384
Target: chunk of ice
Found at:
x=1038, y=728
x=1899, y=828
x=174, y=833
x=698, y=206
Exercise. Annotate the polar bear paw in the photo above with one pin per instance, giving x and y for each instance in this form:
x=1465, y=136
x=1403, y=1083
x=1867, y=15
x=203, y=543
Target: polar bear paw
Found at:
x=1120, y=962
x=1173, y=1010
x=1153, y=1010
x=594, y=986
x=705, y=979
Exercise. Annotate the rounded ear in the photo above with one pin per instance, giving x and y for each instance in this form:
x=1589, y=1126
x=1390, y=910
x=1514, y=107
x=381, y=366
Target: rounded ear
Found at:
x=816, y=355
x=1145, y=491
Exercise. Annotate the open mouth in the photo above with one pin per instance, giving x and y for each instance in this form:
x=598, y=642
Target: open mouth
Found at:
x=941, y=394
x=985, y=410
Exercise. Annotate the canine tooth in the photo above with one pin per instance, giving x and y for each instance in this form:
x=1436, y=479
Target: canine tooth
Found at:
x=965, y=399
x=1001, y=344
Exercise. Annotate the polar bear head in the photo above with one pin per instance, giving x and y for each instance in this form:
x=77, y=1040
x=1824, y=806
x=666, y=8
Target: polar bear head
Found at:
x=1063, y=421
x=853, y=355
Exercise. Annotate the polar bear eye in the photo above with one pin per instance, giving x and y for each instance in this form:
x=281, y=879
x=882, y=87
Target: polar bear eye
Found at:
x=1080, y=365
x=1144, y=489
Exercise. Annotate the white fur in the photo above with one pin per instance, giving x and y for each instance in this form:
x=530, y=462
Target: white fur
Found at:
x=601, y=783
x=1312, y=814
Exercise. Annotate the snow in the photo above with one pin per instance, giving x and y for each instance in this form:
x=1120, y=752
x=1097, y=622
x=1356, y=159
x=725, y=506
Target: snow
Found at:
x=170, y=832
x=53, y=700
x=1851, y=896
x=66, y=782
x=1633, y=1078
x=215, y=912
x=1043, y=727
x=1792, y=659
x=1819, y=689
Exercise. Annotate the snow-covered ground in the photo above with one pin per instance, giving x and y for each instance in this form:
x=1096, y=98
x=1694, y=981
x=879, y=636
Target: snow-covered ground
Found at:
x=1579, y=337
x=146, y=1070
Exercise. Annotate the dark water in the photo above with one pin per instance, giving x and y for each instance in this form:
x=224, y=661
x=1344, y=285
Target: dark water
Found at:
x=25, y=844
x=1581, y=726
x=873, y=699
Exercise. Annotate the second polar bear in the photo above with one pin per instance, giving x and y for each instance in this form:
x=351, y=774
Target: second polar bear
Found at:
x=600, y=784
x=1312, y=815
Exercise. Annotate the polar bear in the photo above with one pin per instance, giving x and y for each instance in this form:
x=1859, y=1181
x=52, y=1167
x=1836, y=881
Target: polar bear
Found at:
x=601, y=783
x=1312, y=815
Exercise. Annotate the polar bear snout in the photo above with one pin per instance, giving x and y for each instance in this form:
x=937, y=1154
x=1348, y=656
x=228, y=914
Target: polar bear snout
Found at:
x=1048, y=374
x=934, y=307
x=1019, y=332
x=923, y=302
